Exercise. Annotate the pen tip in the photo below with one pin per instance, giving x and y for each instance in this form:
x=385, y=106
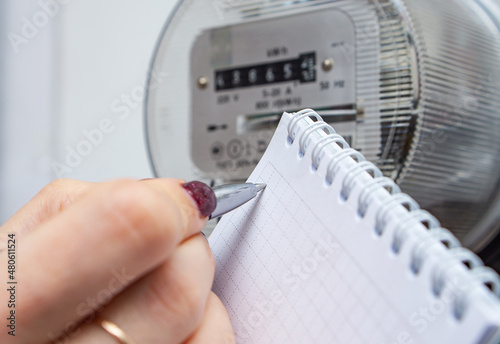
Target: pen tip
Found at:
x=260, y=187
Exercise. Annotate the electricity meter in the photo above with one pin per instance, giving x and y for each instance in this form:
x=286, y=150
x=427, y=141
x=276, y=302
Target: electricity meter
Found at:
x=412, y=84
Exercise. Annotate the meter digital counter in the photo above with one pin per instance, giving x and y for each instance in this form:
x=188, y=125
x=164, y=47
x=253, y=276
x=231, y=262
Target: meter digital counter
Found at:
x=301, y=69
x=413, y=84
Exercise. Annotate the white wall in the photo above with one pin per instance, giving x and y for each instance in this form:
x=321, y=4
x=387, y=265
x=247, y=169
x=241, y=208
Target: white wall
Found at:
x=83, y=57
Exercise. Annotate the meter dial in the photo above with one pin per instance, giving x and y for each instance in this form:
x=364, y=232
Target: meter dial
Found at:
x=243, y=78
x=410, y=84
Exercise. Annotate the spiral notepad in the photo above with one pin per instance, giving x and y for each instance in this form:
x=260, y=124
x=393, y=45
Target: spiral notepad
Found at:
x=332, y=252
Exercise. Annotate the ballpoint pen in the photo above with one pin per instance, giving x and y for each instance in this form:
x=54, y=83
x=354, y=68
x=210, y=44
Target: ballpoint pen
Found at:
x=231, y=196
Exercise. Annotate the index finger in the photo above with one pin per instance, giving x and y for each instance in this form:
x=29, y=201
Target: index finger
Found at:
x=51, y=200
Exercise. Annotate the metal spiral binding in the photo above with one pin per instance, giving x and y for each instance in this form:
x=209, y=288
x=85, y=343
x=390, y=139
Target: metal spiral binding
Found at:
x=324, y=142
x=460, y=254
x=337, y=158
x=349, y=180
x=397, y=199
x=414, y=217
x=368, y=190
x=298, y=116
x=440, y=277
x=488, y=276
x=434, y=233
x=313, y=127
x=481, y=274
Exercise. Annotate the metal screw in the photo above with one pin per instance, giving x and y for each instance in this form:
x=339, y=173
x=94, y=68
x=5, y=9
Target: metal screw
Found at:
x=328, y=64
x=202, y=82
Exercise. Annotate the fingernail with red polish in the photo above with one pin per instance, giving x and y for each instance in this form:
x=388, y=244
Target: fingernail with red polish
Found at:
x=202, y=195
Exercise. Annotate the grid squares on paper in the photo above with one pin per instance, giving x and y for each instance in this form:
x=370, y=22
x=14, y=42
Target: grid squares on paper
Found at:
x=282, y=283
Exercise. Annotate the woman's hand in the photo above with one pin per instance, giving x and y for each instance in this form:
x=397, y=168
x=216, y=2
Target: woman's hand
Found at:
x=127, y=252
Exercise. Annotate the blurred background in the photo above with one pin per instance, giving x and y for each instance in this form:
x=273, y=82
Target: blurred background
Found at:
x=63, y=73
x=73, y=75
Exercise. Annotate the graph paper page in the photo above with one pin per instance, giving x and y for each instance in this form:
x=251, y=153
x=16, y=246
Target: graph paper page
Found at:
x=296, y=265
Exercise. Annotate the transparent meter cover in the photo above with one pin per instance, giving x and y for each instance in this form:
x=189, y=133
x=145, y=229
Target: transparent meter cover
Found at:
x=413, y=84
